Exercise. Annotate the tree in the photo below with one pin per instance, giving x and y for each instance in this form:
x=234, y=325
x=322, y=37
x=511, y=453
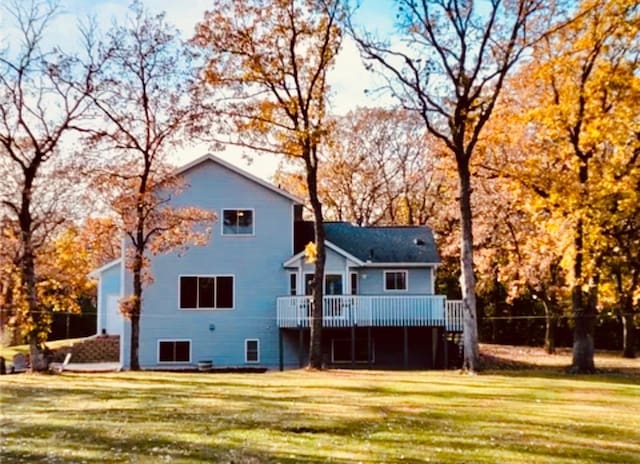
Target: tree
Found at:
x=378, y=170
x=514, y=247
x=269, y=62
x=141, y=93
x=583, y=88
x=62, y=267
x=102, y=238
x=450, y=70
x=42, y=98
x=621, y=233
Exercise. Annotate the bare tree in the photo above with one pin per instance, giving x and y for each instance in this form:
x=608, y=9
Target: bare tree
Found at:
x=43, y=95
x=141, y=94
x=377, y=170
x=450, y=68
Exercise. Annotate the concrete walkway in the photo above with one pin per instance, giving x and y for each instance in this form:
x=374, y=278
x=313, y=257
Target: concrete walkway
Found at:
x=86, y=367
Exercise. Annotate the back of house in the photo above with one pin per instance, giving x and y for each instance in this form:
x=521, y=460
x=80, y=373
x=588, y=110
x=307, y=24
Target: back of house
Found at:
x=242, y=300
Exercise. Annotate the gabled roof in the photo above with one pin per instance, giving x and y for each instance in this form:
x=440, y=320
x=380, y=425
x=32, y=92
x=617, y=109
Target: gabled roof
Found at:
x=385, y=245
x=240, y=172
x=373, y=246
x=96, y=272
x=295, y=258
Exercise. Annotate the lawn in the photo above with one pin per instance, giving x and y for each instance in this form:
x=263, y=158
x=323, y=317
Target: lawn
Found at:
x=510, y=416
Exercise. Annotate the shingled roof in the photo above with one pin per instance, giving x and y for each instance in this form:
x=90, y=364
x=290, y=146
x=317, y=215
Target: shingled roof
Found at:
x=384, y=244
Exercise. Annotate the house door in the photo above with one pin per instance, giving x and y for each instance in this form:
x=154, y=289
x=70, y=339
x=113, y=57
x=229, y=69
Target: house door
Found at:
x=308, y=278
x=333, y=284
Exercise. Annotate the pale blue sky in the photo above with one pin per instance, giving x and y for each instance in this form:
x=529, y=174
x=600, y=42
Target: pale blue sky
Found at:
x=349, y=79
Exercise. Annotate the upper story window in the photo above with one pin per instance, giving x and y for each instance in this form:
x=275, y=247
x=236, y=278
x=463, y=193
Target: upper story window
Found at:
x=206, y=292
x=395, y=280
x=237, y=222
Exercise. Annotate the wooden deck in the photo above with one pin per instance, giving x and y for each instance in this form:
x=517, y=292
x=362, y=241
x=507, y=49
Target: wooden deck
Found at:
x=373, y=311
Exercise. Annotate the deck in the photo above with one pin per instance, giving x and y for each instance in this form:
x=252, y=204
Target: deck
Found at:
x=373, y=311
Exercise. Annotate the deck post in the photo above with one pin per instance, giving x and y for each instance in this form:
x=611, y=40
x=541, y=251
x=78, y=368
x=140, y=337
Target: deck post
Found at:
x=434, y=346
x=446, y=349
x=280, y=350
x=369, y=350
x=353, y=346
x=300, y=346
x=406, y=347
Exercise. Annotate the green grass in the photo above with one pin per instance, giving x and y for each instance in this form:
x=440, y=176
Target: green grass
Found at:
x=312, y=417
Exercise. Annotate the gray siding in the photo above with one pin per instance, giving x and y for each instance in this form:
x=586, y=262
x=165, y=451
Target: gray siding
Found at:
x=254, y=261
x=109, y=286
x=373, y=284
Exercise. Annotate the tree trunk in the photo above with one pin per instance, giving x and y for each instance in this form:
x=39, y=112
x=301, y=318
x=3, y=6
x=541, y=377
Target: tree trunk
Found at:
x=37, y=358
x=135, y=313
x=582, y=338
x=550, y=326
x=28, y=271
x=315, y=338
x=628, y=334
x=467, y=278
x=582, y=333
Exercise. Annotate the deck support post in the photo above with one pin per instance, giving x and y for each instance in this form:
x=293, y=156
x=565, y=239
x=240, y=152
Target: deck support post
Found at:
x=353, y=346
x=445, y=346
x=280, y=350
x=434, y=346
x=406, y=347
x=369, y=347
x=300, y=346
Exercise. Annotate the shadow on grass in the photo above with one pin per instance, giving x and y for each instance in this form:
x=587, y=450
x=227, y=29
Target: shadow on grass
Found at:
x=342, y=416
x=497, y=359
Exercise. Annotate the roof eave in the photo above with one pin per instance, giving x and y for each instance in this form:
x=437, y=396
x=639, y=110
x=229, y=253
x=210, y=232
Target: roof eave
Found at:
x=95, y=274
x=291, y=262
x=402, y=264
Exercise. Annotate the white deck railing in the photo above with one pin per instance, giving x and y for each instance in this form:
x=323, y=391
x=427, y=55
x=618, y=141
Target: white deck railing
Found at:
x=454, y=316
x=371, y=311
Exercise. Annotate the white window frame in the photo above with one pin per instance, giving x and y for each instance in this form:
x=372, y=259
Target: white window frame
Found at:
x=395, y=271
x=246, y=350
x=253, y=223
x=161, y=340
x=233, y=289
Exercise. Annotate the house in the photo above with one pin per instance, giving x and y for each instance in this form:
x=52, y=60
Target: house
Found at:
x=243, y=299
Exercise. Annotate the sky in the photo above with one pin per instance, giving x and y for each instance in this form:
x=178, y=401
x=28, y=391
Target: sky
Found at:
x=348, y=79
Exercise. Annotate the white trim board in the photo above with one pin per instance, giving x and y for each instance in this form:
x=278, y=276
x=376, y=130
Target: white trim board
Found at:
x=291, y=262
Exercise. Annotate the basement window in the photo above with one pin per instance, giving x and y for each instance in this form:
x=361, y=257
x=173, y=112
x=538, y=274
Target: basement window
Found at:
x=174, y=351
